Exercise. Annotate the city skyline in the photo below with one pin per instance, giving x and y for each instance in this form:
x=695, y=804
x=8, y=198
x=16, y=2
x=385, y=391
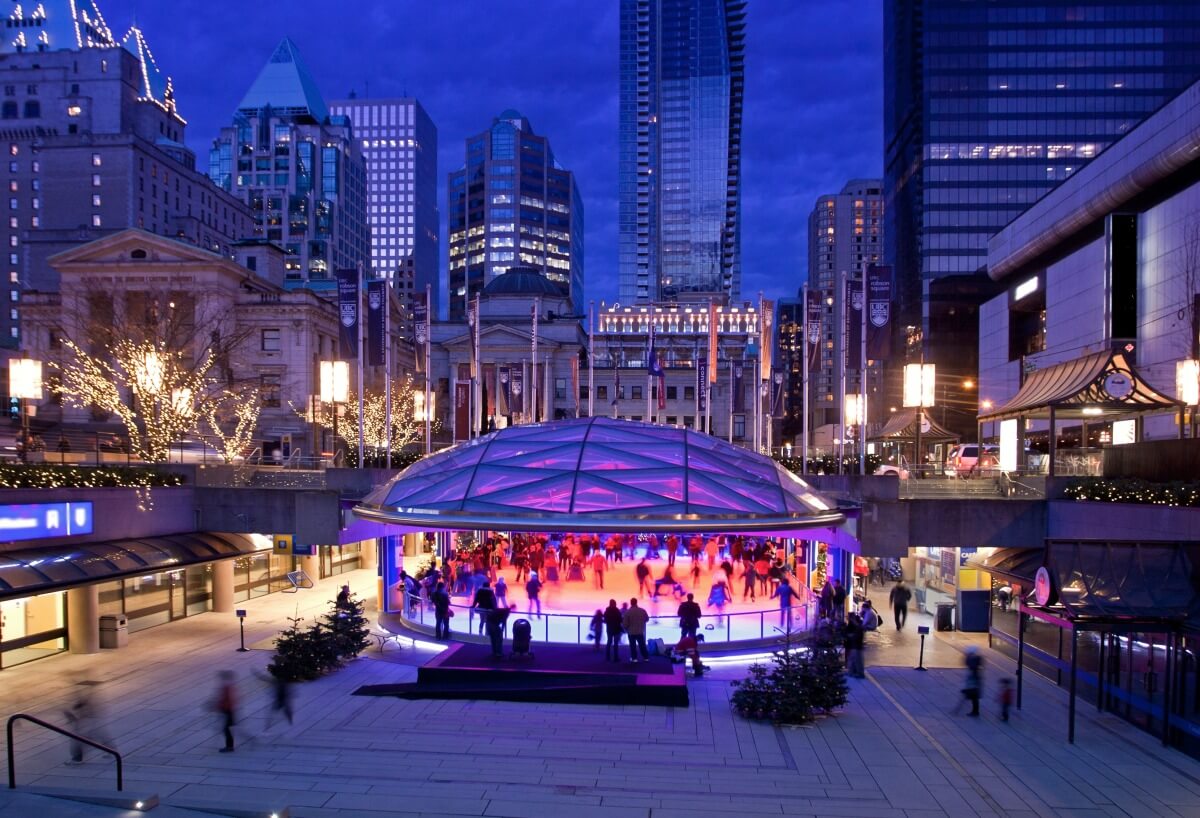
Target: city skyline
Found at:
x=812, y=120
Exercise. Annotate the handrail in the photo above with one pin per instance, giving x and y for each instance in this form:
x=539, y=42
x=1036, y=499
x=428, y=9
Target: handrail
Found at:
x=12, y=764
x=292, y=458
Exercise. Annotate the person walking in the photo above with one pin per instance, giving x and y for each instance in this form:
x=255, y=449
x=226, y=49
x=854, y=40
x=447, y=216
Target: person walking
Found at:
x=973, y=686
x=635, y=625
x=533, y=589
x=82, y=716
x=712, y=547
x=786, y=595
x=501, y=592
x=441, y=612
x=668, y=579
x=852, y=637
x=225, y=705
x=899, y=597
x=689, y=617
x=761, y=568
x=719, y=597
x=1006, y=697
x=599, y=564
x=596, y=630
x=825, y=601
x=612, y=629
x=643, y=578
x=281, y=701
x=749, y=577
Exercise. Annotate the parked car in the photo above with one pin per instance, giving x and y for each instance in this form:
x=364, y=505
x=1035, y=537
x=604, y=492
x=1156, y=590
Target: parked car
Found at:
x=894, y=470
x=965, y=459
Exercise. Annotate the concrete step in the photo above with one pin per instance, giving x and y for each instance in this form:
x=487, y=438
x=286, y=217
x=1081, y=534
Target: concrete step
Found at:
x=28, y=802
x=128, y=800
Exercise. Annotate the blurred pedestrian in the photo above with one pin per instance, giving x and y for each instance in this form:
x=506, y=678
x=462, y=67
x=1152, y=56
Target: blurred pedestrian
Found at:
x=612, y=629
x=852, y=636
x=225, y=705
x=643, y=578
x=596, y=630
x=441, y=612
x=786, y=595
x=281, y=701
x=899, y=597
x=973, y=686
x=82, y=717
x=533, y=589
x=1006, y=697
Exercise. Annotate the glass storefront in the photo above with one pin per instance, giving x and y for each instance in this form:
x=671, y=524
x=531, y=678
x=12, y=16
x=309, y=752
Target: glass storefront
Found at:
x=340, y=559
x=32, y=627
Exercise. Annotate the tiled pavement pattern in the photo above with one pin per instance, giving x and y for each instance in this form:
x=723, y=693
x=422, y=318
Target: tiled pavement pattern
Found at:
x=895, y=751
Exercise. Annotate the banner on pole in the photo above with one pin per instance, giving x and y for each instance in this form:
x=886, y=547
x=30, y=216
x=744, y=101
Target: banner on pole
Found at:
x=852, y=315
x=879, y=312
x=739, y=392
x=767, y=327
x=420, y=321
x=504, y=393
x=348, y=306
x=815, y=312
x=462, y=411
x=702, y=381
x=778, y=386
x=712, y=341
x=377, y=315
x=516, y=399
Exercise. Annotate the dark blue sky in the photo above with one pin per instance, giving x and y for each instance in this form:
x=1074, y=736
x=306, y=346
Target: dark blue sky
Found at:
x=813, y=92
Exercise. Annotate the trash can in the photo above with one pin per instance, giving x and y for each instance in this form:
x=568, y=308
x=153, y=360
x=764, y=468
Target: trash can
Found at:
x=945, y=616
x=114, y=631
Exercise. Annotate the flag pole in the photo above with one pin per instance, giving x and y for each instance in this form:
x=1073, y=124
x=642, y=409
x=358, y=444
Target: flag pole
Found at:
x=649, y=366
x=428, y=332
x=804, y=384
x=533, y=384
x=387, y=372
x=841, y=446
x=362, y=348
x=862, y=386
x=592, y=358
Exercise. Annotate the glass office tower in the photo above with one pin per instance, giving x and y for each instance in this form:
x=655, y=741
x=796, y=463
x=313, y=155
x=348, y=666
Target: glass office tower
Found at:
x=681, y=84
x=989, y=105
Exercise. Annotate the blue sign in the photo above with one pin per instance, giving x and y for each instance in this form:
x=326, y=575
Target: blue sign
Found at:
x=964, y=554
x=34, y=521
x=302, y=549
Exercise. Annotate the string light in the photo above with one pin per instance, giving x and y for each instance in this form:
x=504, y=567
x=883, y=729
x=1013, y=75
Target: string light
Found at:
x=240, y=410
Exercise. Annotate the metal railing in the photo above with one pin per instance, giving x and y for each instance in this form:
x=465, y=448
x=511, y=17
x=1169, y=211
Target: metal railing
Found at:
x=568, y=628
x=985, y=484
x=12, y=763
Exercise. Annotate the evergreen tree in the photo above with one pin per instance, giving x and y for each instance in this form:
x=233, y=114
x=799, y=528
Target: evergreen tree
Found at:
x=827, y=687
x=348, y=628
x=297, y=654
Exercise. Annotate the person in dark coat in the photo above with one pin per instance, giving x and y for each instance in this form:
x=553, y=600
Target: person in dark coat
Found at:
x=612, y=629
x=839, y=601
x=441, y=611
x=899, y=597
x=852, y=637
x=689, y=617
x=483, y=603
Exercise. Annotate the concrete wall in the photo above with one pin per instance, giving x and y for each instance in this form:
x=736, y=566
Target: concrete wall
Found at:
x=1073, y=520
x=312, y=516
x=118, y=513
x=888, y=529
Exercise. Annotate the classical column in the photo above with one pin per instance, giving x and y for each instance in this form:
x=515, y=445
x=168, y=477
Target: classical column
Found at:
x=83, y=619
x=223, y=583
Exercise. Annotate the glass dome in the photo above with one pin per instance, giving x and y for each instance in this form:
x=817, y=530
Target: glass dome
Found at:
x=616, y=475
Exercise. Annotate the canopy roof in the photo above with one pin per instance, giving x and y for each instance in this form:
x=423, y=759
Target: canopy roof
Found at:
x=1017, y=564
x=1114, y=581
x=604, y=473
x=26, y=572
x=902, y=428
x=1096, y=384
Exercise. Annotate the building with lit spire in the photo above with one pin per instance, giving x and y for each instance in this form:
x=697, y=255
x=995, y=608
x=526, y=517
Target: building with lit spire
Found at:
x=94, y=144
x=300, y=170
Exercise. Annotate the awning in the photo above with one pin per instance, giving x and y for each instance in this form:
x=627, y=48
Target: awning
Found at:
x=902, y=428
x=1015, y=564
x=36, y=571
x=1124, y=581
x=1100, y=383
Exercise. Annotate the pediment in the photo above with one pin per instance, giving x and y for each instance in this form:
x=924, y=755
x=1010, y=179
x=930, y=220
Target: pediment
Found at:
x=132, y=247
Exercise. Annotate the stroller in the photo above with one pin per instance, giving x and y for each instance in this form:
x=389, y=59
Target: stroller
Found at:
x=522, y=635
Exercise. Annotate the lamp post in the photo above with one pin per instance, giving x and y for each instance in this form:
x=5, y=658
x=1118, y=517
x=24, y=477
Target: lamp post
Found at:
x=919, y=386
x=335, y=389
x=852, y=416
x=25, y=384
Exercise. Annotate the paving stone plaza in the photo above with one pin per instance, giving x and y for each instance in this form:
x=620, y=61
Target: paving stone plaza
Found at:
x=896, y=750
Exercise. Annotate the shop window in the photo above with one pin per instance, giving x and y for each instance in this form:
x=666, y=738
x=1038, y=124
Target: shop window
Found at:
x=33, y=627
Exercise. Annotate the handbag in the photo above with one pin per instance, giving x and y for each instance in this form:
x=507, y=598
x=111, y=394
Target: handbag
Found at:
x=450, y=613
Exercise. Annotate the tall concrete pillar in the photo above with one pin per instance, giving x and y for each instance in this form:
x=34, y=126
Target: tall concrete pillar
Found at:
x=223, y=585
x=369, y=555
x=312, y=567
x=83, y=619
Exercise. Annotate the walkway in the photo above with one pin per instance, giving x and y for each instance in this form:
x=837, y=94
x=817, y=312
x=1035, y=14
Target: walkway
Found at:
x=895, y=751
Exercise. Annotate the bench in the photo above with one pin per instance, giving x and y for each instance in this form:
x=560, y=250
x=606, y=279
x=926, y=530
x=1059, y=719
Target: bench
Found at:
x=384, y=638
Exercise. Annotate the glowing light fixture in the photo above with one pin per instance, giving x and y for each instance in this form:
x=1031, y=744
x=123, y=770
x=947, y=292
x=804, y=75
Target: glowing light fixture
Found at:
x=25, y=379
x=919, y=385
x=1187, y=381
x=335, y=381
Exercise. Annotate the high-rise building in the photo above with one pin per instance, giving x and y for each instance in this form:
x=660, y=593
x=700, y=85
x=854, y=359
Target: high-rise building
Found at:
x=299, y=169
x=679, y=149
x=845, y=235
x=398, y=142
x=513, y=205
x=94, y=145
x=989, y=105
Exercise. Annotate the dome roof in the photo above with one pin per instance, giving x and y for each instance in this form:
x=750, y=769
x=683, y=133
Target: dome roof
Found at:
x=617, y=475
x=522, y=281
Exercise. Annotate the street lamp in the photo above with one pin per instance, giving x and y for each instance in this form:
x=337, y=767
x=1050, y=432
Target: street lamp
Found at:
x=919, y=380
x=1187, y=384
x=335, y=389
x=24, y=384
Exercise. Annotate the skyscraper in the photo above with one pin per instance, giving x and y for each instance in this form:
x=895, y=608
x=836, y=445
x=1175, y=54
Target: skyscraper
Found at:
x=300, y=170
x=398, y=141
x=513, y=205
x=845, y=234
x=987, y=106
x=679, y=149
x=94, y=145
